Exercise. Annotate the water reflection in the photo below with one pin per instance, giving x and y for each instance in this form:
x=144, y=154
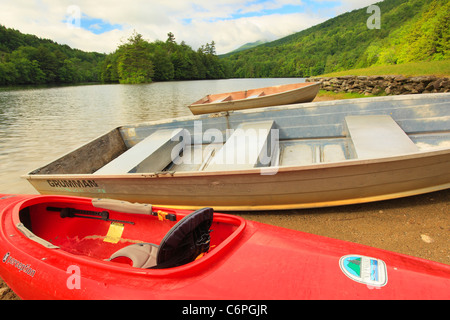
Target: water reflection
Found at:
x=38, y=125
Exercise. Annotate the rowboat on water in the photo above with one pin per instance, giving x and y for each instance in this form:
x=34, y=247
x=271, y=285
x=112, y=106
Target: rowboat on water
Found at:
x=59, y=247
x=286, y=157
x=257, y=98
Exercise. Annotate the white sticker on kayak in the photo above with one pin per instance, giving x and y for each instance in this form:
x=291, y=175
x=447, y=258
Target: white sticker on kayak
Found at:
x=366, y=270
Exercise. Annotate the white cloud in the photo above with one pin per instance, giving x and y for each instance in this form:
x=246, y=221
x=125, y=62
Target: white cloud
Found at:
x=230, y=23
x=342, y=6
x=252, y=29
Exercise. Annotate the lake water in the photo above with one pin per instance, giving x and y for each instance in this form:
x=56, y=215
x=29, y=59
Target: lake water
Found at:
x=38, y=125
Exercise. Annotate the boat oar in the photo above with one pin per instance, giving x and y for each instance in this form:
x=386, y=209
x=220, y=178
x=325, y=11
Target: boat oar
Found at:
x=76, y=213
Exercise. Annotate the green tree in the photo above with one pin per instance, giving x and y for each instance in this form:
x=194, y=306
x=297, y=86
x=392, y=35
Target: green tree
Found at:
x=8, y=73
x=135, y=61
x=27, y=59
x=138, y=61
x=163, y=67
x=69, y=71
x=47, y=63
x=109, y=69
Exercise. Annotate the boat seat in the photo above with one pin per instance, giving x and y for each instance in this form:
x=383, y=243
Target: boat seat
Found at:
x=184, y=242
x=304, y=154
x=245, y=149
x=298, y=154
x=255, y=95
x=150, y=155
x=333, y=153
x=224, y=99
x=375, y=136
x=142, y=255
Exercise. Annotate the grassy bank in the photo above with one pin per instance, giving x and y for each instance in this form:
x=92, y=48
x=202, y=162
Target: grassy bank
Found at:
x=427, y=68
x=324, y=95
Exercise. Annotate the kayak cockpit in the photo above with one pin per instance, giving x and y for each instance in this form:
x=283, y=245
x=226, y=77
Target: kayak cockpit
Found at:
x=160, y=238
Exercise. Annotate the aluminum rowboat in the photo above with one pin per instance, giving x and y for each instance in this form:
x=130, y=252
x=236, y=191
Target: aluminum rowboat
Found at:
x=286, y=157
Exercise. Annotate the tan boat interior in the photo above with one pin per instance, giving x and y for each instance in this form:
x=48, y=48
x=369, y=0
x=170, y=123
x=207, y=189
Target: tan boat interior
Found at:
x=249, y=94
x=255, y=144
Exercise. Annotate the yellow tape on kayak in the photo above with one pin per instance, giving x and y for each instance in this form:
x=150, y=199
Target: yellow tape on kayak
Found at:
x=114, y=232
x=161, y=215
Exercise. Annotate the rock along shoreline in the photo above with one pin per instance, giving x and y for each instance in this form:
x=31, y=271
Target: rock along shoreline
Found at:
x=384, y=85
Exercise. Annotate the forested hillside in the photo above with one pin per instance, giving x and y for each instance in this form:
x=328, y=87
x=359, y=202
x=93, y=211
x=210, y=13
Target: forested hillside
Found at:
x=411, y=30
x=139, y=61
x=27, y=59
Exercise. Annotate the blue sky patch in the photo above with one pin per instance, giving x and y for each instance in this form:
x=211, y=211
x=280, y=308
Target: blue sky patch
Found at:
x=287, y=9
x=97, y=26
x=186, y=21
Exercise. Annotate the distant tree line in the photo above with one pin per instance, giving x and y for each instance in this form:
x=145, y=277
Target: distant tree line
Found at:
x=27, y=59
x=140, y=61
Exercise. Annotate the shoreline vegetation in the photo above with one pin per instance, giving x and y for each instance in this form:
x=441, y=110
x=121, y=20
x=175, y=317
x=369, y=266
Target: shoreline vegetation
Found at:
x=412, y=41
x=413, y=69
x=29, y=60
x=139, y=61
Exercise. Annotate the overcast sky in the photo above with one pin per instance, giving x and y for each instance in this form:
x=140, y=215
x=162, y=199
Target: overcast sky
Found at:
x=101, y=25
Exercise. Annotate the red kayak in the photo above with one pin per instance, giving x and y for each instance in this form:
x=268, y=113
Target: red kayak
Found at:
x=59, y=247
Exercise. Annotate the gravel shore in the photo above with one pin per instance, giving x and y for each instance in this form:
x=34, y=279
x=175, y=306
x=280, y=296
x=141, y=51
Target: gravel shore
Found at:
x=417, y=226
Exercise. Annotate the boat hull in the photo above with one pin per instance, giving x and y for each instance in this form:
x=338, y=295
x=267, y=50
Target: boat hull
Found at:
x=257, y=261
x=324, y=185
x=302, y=94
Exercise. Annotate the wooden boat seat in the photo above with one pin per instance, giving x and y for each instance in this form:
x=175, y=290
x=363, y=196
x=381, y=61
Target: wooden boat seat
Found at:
x=191, y=232
x=227, y=98
x=150, y=155
x=376, y=136
x=255, y=95
x=248, y=147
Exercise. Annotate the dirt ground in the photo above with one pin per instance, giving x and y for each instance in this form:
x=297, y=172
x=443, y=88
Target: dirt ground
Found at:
x=418, y=226
x=6, y=293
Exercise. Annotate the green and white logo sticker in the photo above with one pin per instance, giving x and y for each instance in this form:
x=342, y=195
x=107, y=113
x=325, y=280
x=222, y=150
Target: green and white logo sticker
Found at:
x=366, y=270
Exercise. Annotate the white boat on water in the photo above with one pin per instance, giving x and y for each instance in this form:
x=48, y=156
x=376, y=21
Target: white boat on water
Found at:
x=295, y=156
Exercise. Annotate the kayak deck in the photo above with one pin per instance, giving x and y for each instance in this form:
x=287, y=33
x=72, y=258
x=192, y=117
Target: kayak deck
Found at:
x=247, y=260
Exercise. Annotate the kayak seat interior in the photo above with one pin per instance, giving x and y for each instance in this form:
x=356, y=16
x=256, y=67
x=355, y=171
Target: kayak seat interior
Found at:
x=184, y=242
x=138, y=240
x=142, y=255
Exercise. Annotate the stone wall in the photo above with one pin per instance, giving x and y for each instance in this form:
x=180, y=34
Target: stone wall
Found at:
x=380, y=85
